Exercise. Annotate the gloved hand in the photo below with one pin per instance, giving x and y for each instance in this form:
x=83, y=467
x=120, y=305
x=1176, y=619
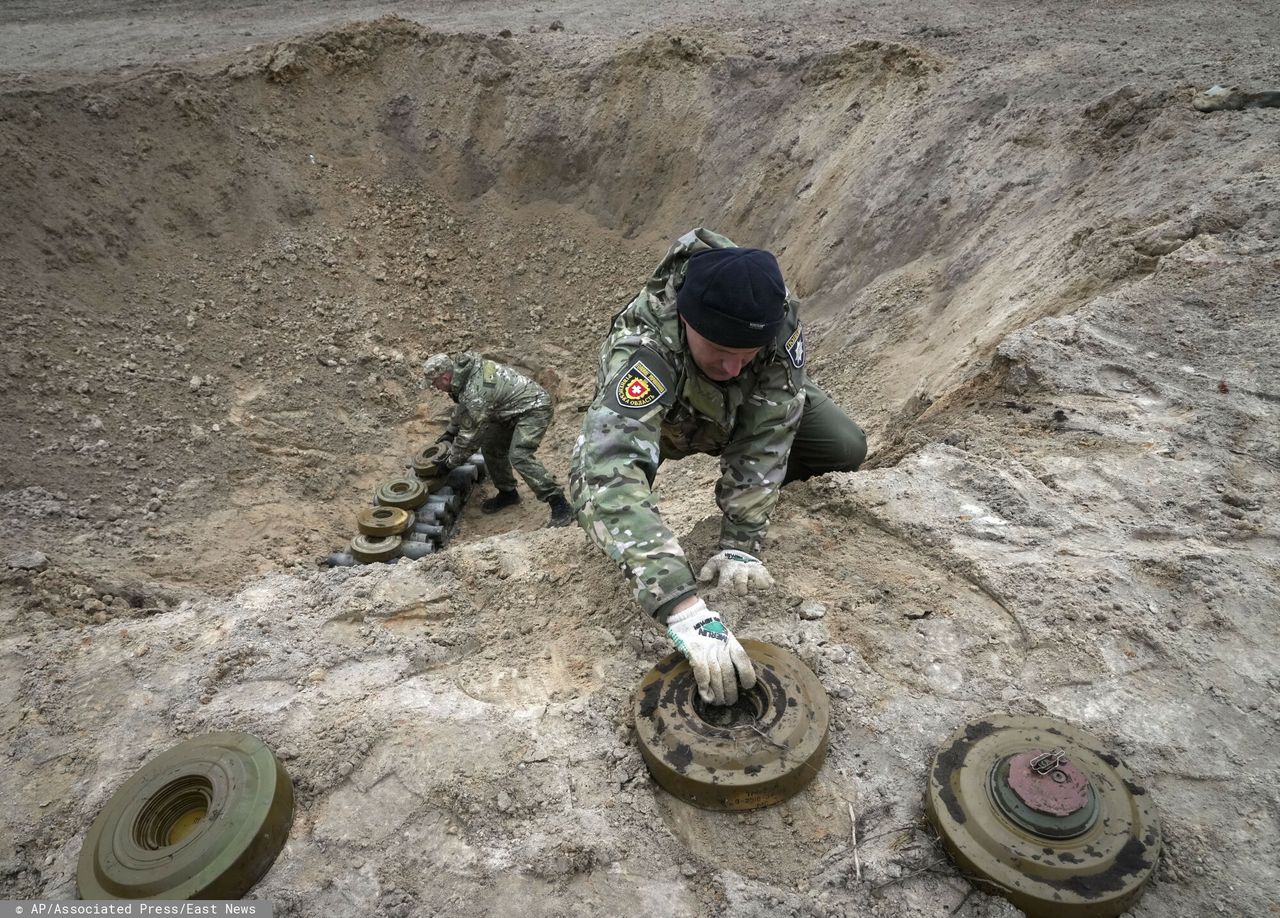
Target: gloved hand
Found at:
x=446, y=437
x=455, y=457
x=738, y=568
x=718, y=660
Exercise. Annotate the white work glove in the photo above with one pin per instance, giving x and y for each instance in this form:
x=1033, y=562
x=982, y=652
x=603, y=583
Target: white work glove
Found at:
x=718, y=660
x=738, y=568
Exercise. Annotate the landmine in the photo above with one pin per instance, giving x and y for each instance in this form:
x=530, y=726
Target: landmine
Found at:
x=203, y=820
x=1037, y=811
x=414, y=515
x=762, y=750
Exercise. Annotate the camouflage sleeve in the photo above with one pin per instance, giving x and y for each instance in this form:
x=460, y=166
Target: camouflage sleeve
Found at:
x=463, y=445
x=455, y=424
x=470, y=416
x=614, y=463
x=753, y=465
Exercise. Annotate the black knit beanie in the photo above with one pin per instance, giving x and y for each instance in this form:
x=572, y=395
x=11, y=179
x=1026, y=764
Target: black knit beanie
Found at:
x=733, y=297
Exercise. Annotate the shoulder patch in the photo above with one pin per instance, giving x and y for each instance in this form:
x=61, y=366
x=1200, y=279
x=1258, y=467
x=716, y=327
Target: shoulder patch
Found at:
x=795, y=347
x=639, y=386
x=645, y=380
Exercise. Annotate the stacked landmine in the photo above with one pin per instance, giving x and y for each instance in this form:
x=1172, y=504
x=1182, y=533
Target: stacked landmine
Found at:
x=414, y=515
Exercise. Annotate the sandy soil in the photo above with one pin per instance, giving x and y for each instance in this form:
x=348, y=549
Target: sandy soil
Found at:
x=1044, y=283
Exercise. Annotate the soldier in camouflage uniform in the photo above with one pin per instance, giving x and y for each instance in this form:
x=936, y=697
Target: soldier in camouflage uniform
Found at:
x=506, y=414
x=708, y=358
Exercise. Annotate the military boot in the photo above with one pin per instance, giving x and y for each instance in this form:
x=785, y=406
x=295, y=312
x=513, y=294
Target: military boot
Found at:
x=561, y=512
x=499, y=501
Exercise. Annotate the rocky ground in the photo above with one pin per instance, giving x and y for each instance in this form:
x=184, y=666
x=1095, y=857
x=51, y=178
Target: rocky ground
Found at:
x=1043, y=281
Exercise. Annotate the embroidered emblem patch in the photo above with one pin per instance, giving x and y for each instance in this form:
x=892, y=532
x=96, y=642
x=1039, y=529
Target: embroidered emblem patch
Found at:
x=639, y=387
x=795, y=348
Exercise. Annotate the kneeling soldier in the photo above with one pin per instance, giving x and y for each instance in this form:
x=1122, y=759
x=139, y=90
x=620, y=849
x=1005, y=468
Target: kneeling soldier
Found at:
x=708, y=358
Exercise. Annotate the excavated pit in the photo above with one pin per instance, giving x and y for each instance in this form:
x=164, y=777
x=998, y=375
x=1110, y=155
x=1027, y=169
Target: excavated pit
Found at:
x=246, y=266
x=1051, y=306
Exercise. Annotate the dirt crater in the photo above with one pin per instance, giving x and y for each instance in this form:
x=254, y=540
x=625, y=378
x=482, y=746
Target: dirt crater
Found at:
x=1050, y=300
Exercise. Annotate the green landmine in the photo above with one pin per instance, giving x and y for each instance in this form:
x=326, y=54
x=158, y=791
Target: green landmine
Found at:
x=408, y=493
x=755, y=753
x=203, y=820
x=430, y=501
x=426, y=463
x=366, y=548
x=384, y=521
x=1037, y=811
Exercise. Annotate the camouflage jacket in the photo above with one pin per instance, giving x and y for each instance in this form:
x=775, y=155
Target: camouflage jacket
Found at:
x=653, y=403
x=486, y=393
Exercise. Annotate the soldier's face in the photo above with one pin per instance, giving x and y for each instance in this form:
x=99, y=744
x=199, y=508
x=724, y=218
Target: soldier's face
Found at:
x=717, y=361
x=443, y=382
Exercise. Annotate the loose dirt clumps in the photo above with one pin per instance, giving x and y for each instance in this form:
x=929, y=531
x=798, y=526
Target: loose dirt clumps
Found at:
x=1042, y=280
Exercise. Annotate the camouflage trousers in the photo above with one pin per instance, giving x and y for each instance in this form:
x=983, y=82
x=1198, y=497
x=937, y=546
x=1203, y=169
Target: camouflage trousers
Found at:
x=827, y=441
x=508, y=444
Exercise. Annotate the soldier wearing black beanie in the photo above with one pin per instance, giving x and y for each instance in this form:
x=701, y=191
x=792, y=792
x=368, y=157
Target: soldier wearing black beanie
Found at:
x=708, y=358
x=734, y=297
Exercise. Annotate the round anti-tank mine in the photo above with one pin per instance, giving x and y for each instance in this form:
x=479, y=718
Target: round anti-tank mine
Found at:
x=760, y=751
x=203, y=820
x=1039, y=812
